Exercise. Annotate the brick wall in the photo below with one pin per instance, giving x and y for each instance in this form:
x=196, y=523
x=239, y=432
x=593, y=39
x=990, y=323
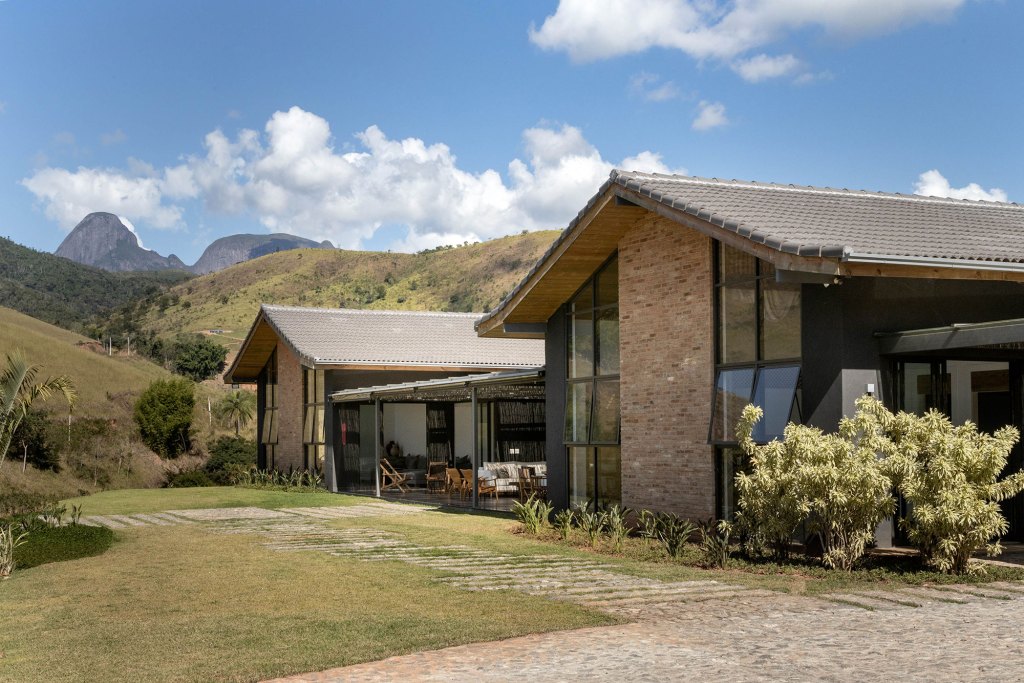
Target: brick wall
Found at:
x=289, y=412
x=667, y=365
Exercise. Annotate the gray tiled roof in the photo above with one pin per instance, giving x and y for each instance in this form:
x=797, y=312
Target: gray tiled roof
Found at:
x=330, y=336
x=846, y=225
x=821, y=221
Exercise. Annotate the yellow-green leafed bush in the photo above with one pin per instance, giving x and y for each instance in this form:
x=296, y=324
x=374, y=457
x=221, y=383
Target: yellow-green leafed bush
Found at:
x=949, y=475
x=837, y=483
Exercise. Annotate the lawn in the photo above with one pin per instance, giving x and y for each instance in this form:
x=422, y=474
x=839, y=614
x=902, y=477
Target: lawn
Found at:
x=184, y=604
x=123, y=501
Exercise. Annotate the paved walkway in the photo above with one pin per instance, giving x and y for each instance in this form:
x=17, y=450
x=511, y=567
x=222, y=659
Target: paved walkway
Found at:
x=680, y=631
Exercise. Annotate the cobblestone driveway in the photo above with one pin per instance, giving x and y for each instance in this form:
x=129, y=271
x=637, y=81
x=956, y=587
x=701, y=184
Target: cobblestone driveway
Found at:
x=756, y=639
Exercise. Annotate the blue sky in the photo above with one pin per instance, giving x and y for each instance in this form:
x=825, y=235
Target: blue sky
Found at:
x=408, y=124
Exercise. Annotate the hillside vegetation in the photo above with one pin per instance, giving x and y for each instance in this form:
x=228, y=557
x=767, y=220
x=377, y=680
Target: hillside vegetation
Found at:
x=99, y=379
x=467, y=278
x=66, y=293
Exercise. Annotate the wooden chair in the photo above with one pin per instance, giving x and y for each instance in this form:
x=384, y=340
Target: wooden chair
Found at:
x=453, y=481
x=487, y=485
x=526, y=483
x=437, y=477
x=390, y=478
x=467, y=482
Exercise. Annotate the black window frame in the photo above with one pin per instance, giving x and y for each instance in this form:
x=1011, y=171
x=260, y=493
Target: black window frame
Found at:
x=758, y=364
x=594, y=379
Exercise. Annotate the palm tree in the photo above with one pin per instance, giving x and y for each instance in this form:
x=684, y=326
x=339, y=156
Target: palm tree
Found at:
x=238, y=407
x=19, y=389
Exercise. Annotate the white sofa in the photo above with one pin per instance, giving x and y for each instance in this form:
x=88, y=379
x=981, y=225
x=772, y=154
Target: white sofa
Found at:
x=506, y=474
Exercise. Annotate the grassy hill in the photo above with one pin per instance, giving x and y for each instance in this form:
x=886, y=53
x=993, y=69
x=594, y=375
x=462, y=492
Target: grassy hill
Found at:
x=66, y=293
x=99, y=379
x=467, y=278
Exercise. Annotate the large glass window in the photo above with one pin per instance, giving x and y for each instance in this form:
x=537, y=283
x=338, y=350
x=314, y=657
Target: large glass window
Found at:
x=313, y=433
x=267, y=395
x=758, y=354
x=592, y=415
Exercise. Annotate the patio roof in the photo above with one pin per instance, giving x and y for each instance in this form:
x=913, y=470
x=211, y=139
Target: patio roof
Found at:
x=996, y=334
x=505, y=384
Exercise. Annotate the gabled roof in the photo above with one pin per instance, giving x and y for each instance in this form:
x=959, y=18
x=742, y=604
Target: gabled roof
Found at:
x=339, y=337
x=814, y=229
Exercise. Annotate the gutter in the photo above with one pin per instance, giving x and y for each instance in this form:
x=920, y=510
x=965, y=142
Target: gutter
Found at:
x=932, y=262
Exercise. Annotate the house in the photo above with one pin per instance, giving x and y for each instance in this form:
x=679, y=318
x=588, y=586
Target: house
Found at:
x=670, y=302
x=300, y=357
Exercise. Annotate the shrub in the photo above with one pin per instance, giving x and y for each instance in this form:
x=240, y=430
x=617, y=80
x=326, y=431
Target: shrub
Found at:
x=10, y=540
x=189, y=478
x=615, y=523
x=563, y=523
x=590, y=521
x=227, y=453
x=61, y=543
x=647, y=523
x=301, y=480
x=33, y=442
x=673, y=532
x=950, y=477
x=532, y=514
x=714, y=543
x=164, y=416
x=837, y=483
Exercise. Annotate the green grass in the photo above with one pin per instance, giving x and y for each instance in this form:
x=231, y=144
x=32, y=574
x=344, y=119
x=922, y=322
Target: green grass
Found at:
x=60, y=544
x=181, y=604
x=97, y=377
x=127, y=501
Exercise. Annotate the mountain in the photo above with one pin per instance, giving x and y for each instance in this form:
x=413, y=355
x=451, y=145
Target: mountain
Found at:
x=103, y=240
x=474, y=277
x=70, y=294
x=227, y=251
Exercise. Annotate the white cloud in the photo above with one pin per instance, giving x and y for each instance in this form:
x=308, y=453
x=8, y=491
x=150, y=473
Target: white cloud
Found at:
x=131, y=228
x=934, y=184
x=762, y=67
x=68, y=196
x=3, y=107
x=652, y=88
x=711, y=29
x=64, y=138
x=709, y=115
x=113, y=138
x=293, y=178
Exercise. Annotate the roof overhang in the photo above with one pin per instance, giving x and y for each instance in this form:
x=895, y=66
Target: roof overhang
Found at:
x=593, y=236
x=254, y=353
x=993, y=334
x=448, y=388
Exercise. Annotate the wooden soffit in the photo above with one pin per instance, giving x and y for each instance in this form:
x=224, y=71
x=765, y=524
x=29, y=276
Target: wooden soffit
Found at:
x=564, y=270
x=254, y=354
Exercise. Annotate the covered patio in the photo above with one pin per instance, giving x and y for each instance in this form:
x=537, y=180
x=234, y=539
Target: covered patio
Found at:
x=474, y=441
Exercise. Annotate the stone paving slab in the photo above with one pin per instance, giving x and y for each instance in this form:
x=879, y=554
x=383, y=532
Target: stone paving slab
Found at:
x=774, y=638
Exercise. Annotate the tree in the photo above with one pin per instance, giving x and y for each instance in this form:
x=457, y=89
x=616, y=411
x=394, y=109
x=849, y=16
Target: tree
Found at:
x=237, y=408
x=19, y=390
x=33, y=441
x=198, y=357
x=164, y=416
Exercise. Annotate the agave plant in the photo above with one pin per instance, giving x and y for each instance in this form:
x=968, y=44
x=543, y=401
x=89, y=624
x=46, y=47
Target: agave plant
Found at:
x=9, y=540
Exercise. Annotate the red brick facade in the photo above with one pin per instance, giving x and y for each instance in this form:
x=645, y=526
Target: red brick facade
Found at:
x=289, y=411
x=666, y=317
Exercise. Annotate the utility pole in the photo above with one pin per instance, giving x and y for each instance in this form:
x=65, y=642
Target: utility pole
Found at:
x=129, y=344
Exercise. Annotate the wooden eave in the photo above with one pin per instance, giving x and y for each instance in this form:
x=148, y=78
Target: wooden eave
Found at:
x=597, y=233
x=259, y=344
